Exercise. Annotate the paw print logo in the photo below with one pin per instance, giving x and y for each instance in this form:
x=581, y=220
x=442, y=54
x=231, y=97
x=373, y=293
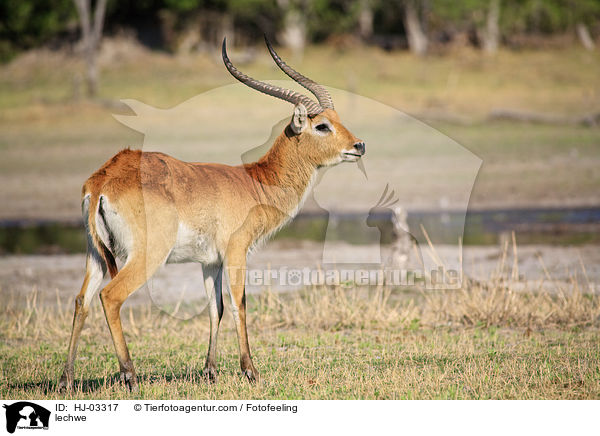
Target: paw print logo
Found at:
x=294, y=277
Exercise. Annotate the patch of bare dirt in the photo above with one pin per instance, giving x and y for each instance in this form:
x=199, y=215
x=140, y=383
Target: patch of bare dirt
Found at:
x=60, y=276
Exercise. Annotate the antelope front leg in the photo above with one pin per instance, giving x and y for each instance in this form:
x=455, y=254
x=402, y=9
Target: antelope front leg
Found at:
x=236, y=272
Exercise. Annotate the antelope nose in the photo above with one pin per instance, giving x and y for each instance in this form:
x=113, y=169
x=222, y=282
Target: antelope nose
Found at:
x=360, y=147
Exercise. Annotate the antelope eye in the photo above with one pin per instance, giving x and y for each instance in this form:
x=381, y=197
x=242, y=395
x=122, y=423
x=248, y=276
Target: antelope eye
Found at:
x=323, y=127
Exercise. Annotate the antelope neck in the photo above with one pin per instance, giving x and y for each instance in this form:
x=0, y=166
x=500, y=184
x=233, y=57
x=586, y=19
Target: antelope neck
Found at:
x=282, y=174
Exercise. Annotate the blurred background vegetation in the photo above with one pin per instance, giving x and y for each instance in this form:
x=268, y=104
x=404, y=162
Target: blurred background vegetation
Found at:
x=421, y=25
x=191, y=27
x=514, y=81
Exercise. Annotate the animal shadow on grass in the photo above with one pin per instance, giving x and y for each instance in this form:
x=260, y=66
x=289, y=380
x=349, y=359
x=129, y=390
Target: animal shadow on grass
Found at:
x=50, y=387
x=81, y=386
x=97, y=384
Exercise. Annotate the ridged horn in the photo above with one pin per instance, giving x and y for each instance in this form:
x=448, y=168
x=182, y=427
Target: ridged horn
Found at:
x=318, y=90
x=288, y=95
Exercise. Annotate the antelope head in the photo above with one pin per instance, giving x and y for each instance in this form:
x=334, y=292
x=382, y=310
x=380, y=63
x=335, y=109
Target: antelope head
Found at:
x=315, y=127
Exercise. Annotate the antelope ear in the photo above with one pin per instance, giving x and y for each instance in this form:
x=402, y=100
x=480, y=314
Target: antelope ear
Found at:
x=299, y=119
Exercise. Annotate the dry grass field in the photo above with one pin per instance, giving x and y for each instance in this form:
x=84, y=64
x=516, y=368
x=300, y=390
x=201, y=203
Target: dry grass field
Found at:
x=486, y=341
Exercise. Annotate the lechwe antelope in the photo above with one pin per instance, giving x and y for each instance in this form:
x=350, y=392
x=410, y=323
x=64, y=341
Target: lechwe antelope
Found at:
x=149, y=209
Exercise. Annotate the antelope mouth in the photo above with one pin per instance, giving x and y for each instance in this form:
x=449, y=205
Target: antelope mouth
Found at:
x=351, y=156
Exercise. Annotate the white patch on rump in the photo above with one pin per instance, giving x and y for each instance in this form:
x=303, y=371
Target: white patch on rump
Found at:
x=113, y=224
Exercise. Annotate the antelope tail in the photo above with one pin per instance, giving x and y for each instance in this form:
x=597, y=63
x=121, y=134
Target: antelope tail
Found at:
x=90, y=205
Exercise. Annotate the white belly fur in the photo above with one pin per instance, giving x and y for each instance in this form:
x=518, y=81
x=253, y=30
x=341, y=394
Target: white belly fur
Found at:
x=192, y=246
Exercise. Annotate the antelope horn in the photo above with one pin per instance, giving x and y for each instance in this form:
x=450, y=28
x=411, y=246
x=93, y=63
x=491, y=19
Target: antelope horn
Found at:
x=288, y=95
x=318, y=90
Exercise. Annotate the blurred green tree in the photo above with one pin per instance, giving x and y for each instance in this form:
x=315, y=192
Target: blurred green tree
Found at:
x=548, y=16
x=25, y=24
x=478, y=19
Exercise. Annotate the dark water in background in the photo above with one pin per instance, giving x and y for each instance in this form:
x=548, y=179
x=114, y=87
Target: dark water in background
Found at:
x=532, y=226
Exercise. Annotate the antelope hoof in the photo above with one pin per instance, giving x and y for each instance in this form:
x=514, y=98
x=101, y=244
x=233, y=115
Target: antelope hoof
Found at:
x=210, y=374
x=129, y=379
x=251, y=374
x=65, y=384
